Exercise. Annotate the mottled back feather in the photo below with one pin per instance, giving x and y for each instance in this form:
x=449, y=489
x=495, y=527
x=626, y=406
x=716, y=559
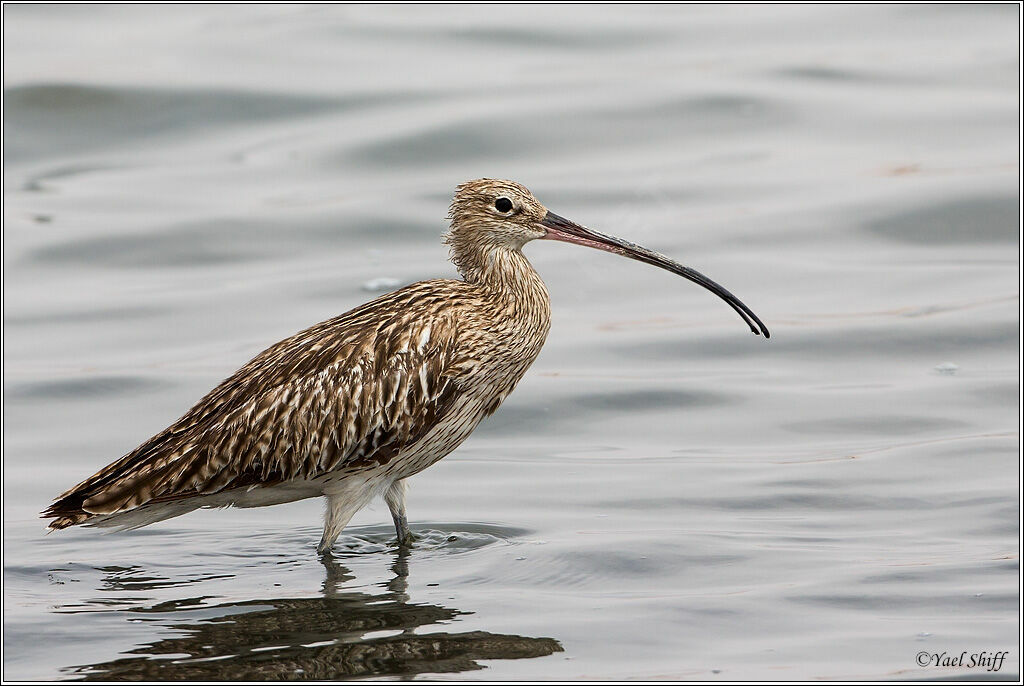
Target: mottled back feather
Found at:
x=348, y=392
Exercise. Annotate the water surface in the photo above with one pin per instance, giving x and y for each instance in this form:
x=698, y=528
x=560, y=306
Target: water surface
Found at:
x=665, y=495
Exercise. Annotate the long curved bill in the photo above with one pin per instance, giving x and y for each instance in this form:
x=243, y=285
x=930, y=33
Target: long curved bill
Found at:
x=561, y=229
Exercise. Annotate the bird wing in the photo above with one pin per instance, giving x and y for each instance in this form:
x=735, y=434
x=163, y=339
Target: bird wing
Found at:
x=345, y=393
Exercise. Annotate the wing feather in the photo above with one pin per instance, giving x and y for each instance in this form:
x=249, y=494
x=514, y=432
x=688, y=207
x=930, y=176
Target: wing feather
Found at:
x=346, y=393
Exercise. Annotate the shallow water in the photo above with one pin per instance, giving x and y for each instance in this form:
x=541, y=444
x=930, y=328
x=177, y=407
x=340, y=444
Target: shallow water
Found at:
x=665, y=495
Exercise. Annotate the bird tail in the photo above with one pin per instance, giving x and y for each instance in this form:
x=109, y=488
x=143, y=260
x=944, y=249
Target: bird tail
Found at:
x=65, y=511
x=64, y=521
x=123, y=520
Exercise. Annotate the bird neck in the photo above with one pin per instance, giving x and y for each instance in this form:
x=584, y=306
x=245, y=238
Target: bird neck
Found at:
x=506, y=274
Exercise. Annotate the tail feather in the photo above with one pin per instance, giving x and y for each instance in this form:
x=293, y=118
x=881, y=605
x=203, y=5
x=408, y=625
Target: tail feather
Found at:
x=120, y=510
x=99, y=497
x=149, y=513
x=66, y=511
x=65, y=521
x=149, y=495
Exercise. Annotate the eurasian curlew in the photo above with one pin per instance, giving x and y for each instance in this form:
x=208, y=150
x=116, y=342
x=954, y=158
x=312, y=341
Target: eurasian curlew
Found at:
x=352, y=407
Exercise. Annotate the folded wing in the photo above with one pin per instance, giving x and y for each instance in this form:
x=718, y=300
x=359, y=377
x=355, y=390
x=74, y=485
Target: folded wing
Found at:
x=344, y=394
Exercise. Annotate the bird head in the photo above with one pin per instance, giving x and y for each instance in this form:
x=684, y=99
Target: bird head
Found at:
x=489, y=215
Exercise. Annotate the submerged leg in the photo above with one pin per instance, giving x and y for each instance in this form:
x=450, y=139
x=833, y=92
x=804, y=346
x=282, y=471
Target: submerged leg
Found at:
x=338, y=513
x=395, y=498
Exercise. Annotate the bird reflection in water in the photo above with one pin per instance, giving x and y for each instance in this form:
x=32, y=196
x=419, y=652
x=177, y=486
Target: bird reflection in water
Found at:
x=314, y=638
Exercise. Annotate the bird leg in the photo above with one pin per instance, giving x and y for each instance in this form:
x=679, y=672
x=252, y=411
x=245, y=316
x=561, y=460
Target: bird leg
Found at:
x=394, y=496
x=340, y=510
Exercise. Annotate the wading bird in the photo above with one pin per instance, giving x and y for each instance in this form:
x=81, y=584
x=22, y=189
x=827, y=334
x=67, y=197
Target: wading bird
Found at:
x=352, y=407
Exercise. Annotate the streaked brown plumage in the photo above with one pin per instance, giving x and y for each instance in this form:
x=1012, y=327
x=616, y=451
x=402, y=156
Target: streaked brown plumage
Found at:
x=351, y=407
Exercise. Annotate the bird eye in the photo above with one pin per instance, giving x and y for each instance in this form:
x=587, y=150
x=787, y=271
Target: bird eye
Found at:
x=503, y=205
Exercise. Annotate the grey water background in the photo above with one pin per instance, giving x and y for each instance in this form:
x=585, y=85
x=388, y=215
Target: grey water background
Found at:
x=665, y=495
